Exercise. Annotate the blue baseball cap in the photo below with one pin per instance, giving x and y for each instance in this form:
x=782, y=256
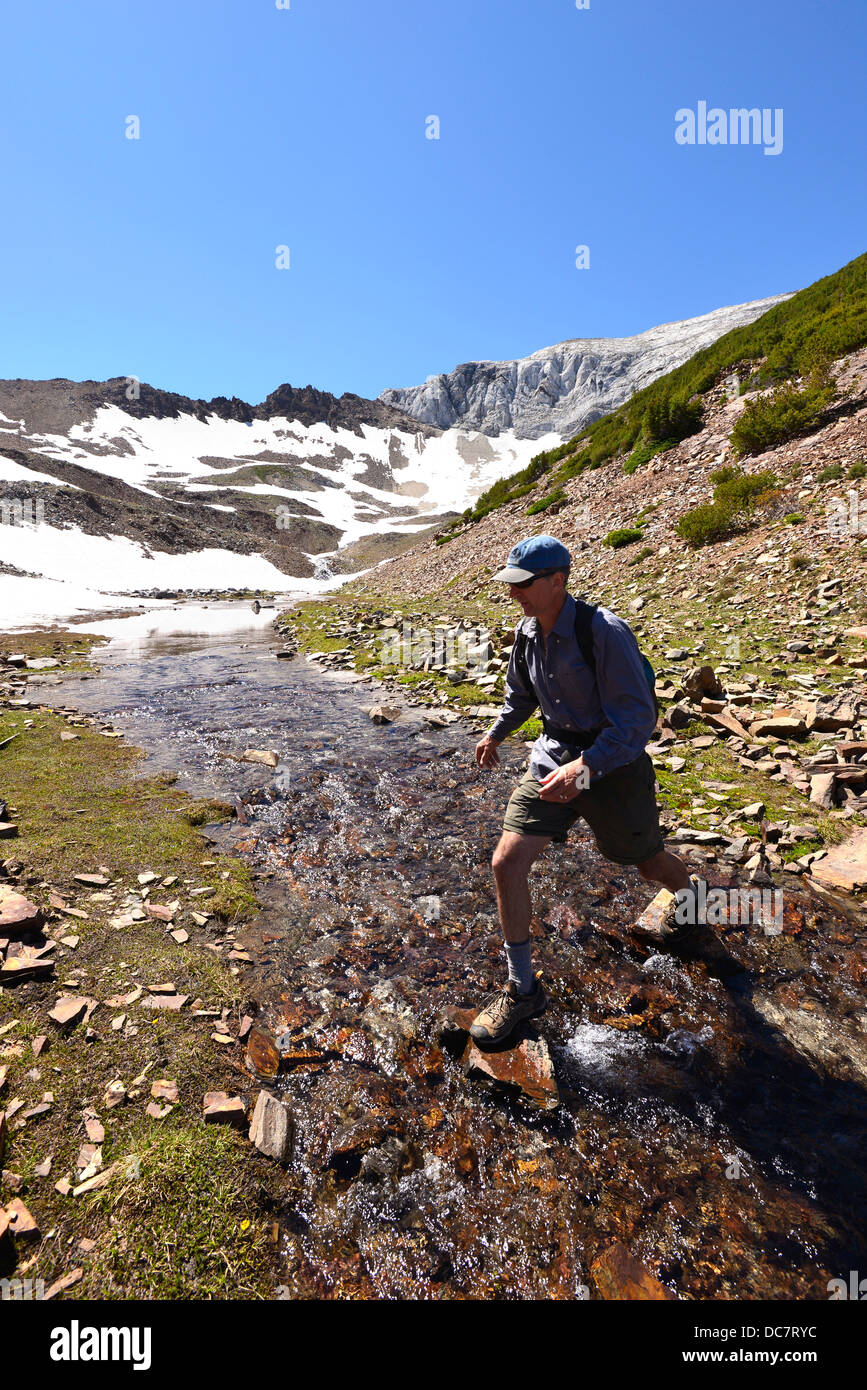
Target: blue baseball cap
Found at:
x=528, y=558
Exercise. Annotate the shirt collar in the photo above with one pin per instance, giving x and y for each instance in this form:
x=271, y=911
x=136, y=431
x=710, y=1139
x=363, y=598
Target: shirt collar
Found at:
x=565, y=624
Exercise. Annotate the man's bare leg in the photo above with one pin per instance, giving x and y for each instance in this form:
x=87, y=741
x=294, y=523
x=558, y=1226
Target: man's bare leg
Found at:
x=667, y=869
x=512, y=861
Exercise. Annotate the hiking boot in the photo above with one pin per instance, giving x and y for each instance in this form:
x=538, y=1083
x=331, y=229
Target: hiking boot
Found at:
x=504, y=1011
x=673, y=933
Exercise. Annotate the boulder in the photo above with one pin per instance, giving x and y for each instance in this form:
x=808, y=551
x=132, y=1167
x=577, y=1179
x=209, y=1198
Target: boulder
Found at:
x=822, y=789
x=702, y=680
x=17, y=913
x=779, y=725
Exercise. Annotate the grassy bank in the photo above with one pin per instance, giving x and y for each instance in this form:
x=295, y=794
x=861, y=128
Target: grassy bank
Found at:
x=188, y=1210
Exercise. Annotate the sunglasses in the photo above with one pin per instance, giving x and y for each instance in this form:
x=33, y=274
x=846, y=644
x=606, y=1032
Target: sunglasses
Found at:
x=525, y=583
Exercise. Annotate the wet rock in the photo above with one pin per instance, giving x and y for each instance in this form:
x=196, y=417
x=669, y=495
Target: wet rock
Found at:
x=526, y=1065
x=845, y=865
x=652, y=920
x=618, y=1276
x=272, y=1128
x=268, y=757
x=383, y=714
x=263, y=1054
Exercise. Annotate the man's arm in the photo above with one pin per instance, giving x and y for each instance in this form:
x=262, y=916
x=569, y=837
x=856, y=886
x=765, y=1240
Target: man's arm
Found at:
x=519, y=701
x=624, y=694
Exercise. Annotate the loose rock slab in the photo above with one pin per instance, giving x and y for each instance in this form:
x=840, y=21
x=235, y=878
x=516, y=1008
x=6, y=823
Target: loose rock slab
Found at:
x=845, y=865
x=272, y=1127
x=526, y=1064
x=619, y=1276
x=17, y=913
x=222, y=1109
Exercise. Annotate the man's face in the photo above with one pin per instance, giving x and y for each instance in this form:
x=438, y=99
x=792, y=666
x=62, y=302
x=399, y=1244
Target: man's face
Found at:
x=538, y=596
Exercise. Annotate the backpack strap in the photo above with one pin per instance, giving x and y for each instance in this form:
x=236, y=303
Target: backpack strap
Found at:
x=521, y=658
x=584, y=615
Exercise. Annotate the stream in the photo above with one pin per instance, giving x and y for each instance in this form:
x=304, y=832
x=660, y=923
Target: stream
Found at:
x=716, y=1132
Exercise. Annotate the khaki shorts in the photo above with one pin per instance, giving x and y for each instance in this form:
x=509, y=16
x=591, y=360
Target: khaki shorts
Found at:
x=619, y=808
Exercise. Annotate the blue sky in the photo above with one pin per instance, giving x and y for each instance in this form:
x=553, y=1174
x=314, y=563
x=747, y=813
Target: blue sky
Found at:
x=306, y=127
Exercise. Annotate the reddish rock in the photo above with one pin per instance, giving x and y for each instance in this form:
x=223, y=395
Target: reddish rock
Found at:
x=223, y=1109
x=165, y=1090
x=92, y=880
x=68, y=1010
x=526, y=1064
x=21, y=1223
x=845, y=865
x=17, y=913
x=263, y=1054
x=619, y=1276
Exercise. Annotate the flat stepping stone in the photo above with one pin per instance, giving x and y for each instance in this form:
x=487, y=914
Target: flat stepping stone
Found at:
x=845, y=865
x=525, y=1064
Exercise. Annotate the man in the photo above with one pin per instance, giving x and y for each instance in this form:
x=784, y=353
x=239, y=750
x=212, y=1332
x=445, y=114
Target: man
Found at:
x=590, y=762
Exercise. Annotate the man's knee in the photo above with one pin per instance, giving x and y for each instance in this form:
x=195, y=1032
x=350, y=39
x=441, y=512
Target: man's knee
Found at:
x=510, y=862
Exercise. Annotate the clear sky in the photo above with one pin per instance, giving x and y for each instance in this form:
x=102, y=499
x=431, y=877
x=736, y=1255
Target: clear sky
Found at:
x=306, y=127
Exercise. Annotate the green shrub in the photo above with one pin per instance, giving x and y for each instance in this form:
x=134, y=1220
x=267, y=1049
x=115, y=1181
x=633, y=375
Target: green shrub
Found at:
x=643, y=554
x=624, y=536
x=858, y=470
x=552, y=499
x=724, y=474
x=831, y=473
x=734, y=501
x=794, y=518
x=705, y=524
x=784, y=414
x=645, y=451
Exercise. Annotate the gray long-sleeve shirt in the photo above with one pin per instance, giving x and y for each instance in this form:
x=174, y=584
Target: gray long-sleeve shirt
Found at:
x=618, y=700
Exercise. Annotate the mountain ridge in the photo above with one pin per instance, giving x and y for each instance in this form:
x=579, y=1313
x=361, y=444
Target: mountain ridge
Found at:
x=569, y=384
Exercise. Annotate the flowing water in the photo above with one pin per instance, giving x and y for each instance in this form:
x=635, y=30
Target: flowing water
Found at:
x=715, y=1128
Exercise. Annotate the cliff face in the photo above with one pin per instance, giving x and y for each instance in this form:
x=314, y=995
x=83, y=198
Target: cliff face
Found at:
x=565, y=387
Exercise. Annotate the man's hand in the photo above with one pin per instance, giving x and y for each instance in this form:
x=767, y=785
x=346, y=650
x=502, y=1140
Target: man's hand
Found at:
x=565, y=782
x=486, y=752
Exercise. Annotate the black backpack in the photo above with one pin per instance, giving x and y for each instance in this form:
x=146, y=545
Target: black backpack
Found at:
x=584, y=613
